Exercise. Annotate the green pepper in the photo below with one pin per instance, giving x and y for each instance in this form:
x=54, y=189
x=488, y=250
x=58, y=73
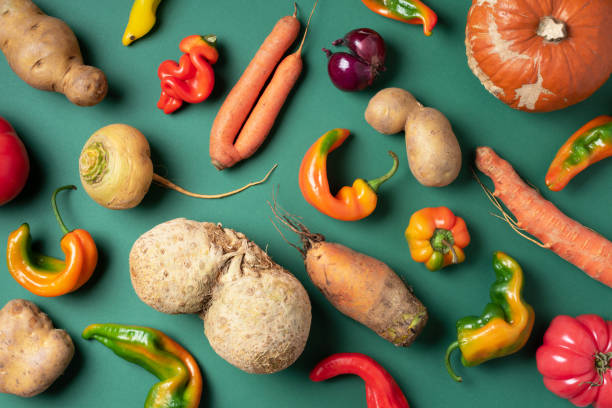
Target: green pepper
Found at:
x=505, y=324
x=181, y=381
x=589, y=144
x=407, y=11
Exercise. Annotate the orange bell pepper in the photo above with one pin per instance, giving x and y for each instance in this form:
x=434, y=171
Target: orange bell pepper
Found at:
x=350, y=203
x=45, y=275
x=437, y=237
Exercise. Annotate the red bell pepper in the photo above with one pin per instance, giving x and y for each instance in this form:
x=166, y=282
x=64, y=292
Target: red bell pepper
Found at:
x=575, y=360
x=192, y=79
x=381, y=389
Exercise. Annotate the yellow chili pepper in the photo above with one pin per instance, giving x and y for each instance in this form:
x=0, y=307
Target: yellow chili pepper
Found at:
x=142, y=19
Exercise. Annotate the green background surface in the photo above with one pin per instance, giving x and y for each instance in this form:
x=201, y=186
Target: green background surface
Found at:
x=433, y=68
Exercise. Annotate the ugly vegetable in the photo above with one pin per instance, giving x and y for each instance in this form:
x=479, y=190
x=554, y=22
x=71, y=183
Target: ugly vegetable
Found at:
x=14, y=163
x=590, y=144
x=350, y=203
x=256, y=314
x=575, y=360
x=44, y=52
x=505, y=324
x=538, y=55
x=180, y=383
x=142, y=19
x=116, y=169
x=388, y=110
x=192, y=79
x=381, y=389
x=357, y=70
x=47, y=276
x=406, y=11
x=32, y=353
x=231, y=138
x=437, y=237
x=567, y=238
x=361, y=287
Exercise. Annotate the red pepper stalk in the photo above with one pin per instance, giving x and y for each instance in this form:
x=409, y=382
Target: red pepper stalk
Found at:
x=406, y=11
x=381, y=389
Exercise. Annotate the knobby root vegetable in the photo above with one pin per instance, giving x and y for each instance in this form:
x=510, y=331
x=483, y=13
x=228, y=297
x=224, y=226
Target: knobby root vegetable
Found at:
x=116, y=169
x=44, y=52
x=256, y=314
x=567, y=238
x=361, y=287
x=32, y=353
x=226, y=148
x=434, y=154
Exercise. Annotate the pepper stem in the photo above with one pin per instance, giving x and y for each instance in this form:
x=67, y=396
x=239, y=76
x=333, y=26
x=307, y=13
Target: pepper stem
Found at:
x=449, y=351
x=55, y=210
x=452, y=250
x=374, y=184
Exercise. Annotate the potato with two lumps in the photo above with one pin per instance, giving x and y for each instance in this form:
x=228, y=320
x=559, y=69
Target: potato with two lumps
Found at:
x=256, y=314
x=32, y=353
x=44, y=52
x=434, y=154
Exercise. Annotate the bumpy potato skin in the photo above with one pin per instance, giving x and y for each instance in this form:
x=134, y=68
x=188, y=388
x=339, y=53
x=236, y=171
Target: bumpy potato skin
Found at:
x=32, y=353
x=433, y=151
x=256, y=314
x=388, y=109
x=45, y=53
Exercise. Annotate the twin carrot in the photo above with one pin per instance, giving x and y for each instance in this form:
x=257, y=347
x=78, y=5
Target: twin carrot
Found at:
x=229, y=143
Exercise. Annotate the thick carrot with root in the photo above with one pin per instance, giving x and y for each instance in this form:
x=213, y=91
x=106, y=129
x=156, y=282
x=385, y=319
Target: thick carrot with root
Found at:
x=567, y=238
x=359, y=286
x=226, y=149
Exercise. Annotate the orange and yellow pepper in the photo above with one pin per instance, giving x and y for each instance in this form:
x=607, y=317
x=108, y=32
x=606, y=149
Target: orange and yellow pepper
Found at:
x=437, y=237
x=350, y=203
x=47, y=276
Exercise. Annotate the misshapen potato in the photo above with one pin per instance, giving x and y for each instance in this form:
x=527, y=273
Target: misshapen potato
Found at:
x=32, y=353
x=256, y=314
x=44, y=52
x=433, y=151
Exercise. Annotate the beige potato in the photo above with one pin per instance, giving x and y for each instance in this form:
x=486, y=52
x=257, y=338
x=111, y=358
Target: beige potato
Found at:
x=32, y=353
x=433, y=151
x=256, y=314
x=388, y=109
x=44, y=52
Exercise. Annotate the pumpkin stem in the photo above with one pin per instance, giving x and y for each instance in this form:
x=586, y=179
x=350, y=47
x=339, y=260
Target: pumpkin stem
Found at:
x=551, y=29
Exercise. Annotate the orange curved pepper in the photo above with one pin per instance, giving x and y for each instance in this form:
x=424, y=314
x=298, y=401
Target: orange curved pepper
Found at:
x=48, y=276
x=350, y=203
x=437, y=237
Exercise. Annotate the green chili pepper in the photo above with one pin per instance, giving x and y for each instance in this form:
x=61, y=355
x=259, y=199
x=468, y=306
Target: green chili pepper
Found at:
x=505, y=324
x=181, y=381
x=407, y=11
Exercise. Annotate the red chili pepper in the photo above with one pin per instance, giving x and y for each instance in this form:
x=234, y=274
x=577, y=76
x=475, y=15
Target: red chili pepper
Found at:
x=381, y=389
x=192, y=79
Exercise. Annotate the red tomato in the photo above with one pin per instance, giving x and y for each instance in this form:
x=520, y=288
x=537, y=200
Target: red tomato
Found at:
x=14, y=163
x=575, y=360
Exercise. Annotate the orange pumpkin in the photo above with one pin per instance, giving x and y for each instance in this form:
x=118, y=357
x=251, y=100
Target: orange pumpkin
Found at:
x=540, y=55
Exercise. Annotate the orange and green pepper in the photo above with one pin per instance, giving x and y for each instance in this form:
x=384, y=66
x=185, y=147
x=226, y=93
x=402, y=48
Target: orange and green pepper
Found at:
x=192, y=79
x=407, y=11
x=437, y=237
x=47, y=276
x=350, y=203
x=181, y=380
x=590, y=144
x=505, y=324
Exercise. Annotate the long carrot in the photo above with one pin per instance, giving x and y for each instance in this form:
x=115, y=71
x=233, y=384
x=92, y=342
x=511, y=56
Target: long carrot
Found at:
x=236, y=107
x=567, y=238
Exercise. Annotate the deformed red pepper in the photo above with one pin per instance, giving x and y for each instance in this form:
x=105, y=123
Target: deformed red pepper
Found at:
x=406, y=11
x=192, y=79
x=381, y=389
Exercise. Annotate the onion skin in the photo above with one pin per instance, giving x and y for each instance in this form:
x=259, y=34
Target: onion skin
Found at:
x=367, y=44
x=115, y=166
x=349, y=72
